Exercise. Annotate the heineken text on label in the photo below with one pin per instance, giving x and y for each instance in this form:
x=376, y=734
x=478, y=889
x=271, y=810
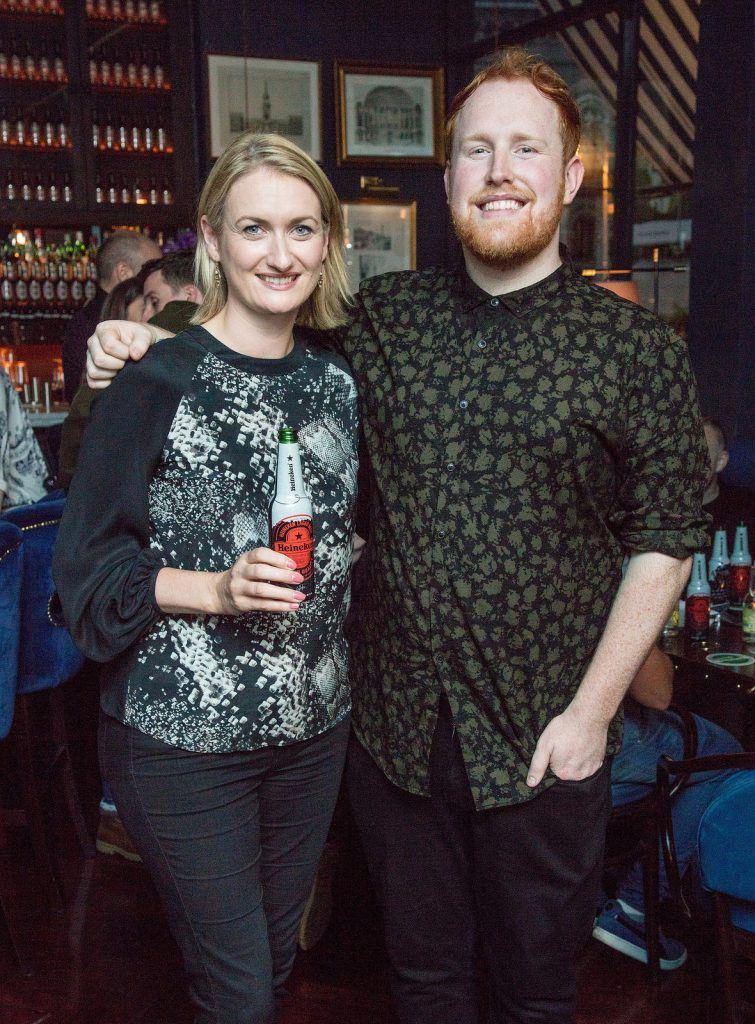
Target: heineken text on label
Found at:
x=291, y=524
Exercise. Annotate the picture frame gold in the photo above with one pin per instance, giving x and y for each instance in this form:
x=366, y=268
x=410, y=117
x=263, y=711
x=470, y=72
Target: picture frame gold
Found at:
x=389, y=114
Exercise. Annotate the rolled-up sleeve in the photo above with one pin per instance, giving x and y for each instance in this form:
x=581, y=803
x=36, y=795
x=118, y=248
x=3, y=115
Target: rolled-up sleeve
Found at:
x=104, y=567
x=663, y=460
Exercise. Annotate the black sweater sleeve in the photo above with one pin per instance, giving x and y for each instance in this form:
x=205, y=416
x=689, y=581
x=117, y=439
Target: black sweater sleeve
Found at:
x=103, y=566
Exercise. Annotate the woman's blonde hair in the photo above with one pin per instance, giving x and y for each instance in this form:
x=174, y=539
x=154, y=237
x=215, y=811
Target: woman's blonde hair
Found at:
x=326, y=306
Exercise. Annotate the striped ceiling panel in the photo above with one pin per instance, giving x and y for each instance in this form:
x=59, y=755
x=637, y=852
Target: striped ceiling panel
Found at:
x=668, y=73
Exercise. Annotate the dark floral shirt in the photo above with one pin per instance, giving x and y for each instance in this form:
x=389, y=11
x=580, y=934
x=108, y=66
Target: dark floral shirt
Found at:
x=519, y=446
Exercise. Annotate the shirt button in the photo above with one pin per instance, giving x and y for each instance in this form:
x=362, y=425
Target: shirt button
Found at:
x=481, y=343
x=495, y=302
x=450, y=466
x=441, y=533
x=463, y=403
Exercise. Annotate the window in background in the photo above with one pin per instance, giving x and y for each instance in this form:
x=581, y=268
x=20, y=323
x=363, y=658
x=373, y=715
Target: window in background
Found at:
x=669, y=33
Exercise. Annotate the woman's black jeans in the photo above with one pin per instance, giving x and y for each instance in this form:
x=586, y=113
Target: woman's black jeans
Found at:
x=232, y=843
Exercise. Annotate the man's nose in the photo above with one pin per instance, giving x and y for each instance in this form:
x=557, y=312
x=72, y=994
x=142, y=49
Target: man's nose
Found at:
x=500, y=168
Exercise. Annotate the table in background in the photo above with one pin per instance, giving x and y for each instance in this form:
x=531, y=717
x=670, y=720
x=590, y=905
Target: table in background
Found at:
x=723, y=693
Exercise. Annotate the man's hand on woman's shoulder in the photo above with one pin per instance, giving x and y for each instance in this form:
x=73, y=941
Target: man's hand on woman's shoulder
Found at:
x=113, y=343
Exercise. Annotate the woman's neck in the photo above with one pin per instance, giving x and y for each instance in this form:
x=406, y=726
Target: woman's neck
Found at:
x=252, y=334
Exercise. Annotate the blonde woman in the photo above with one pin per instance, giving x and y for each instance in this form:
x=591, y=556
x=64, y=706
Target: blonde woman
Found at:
x=225, y=708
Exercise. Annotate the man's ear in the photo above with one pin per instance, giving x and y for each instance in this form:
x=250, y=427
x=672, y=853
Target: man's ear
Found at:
x=123, y=271
x=574, y=172
x=192, y=294
x=722, y=461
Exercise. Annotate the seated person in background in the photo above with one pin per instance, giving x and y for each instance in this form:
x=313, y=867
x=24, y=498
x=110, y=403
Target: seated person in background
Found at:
x=23, y=470
x=169, y=288
x=728, y=505
x=650, y=730
x=120, y=256
x=128, y=301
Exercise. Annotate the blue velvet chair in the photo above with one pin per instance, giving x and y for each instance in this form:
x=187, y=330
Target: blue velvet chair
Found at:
x=11, y=571
x=726, y=851
x=47, y=659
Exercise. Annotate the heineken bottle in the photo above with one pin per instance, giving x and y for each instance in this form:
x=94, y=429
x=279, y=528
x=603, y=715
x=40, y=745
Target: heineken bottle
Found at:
x=739, y=579
x=291, y=525
x=697, y=610
x=718, y=571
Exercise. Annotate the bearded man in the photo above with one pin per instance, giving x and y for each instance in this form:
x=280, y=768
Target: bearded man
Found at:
x=525, y=430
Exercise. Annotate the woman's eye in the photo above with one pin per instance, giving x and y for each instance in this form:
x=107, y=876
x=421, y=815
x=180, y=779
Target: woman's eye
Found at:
x=252, y=230
x=303, y=230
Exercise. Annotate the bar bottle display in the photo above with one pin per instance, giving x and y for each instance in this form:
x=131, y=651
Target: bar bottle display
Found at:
x=697, y=610
x=739, y=580
x=291, y=523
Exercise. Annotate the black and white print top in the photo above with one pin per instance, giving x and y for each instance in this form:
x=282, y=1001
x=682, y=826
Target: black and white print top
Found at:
x=178, y=469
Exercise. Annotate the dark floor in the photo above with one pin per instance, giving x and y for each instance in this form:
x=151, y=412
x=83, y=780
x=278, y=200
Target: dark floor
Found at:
x=109, y=960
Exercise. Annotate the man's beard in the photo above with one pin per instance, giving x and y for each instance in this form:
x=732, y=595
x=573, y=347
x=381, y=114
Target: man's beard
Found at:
x=503, y=246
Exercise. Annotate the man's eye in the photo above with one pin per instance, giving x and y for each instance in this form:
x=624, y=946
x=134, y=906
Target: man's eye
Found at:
x=526, y=150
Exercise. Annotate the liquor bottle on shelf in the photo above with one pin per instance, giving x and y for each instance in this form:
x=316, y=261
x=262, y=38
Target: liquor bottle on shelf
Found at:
x=125, y=192
x=142, y=10
x=20, y=132
x=139, y=197
x=46, y=72
x=117, y=70
x=145, y=71
x=30, y=64
x=48, y=131
x=158, y=73
x=15, y=63
x=132, y=72
x=102, y=10
x=35, y=137
x=5, y=128
x=155, y=11
x=129, y=10
x=153, y=195
x=62, y=133
x=149, y=139
x=9, y=191
x=99, y=192
x=104, y=69
x=53, y=192
x=116, y=10
x=112, y=191
x=96, y=136
x=59, y=68
x=67, y=190
x=94, y=71
x=25, y=187
x=167, y=194
x=109, y=131
x=40, y=192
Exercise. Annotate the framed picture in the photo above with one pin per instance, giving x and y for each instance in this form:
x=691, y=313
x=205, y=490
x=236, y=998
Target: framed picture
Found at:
x=281, y=96
x=389, y=115
x=381, y=235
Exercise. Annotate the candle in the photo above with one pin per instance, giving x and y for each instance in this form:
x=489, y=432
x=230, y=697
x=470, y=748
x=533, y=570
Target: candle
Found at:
x=48, y=396
x=35, y=389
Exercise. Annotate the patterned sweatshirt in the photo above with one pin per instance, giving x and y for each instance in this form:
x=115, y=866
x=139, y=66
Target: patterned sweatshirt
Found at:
x=178, y=469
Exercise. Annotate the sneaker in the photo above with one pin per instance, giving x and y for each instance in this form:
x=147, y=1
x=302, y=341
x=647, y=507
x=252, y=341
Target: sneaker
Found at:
x=112, y=838
x=623, y=928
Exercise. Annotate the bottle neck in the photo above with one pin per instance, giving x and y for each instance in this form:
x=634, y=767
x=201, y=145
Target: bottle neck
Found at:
x=289, y=481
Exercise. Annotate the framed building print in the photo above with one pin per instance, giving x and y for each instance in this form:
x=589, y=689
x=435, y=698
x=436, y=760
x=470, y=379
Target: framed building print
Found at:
x=389, y=115
x=264, y=95
x=381, y=235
